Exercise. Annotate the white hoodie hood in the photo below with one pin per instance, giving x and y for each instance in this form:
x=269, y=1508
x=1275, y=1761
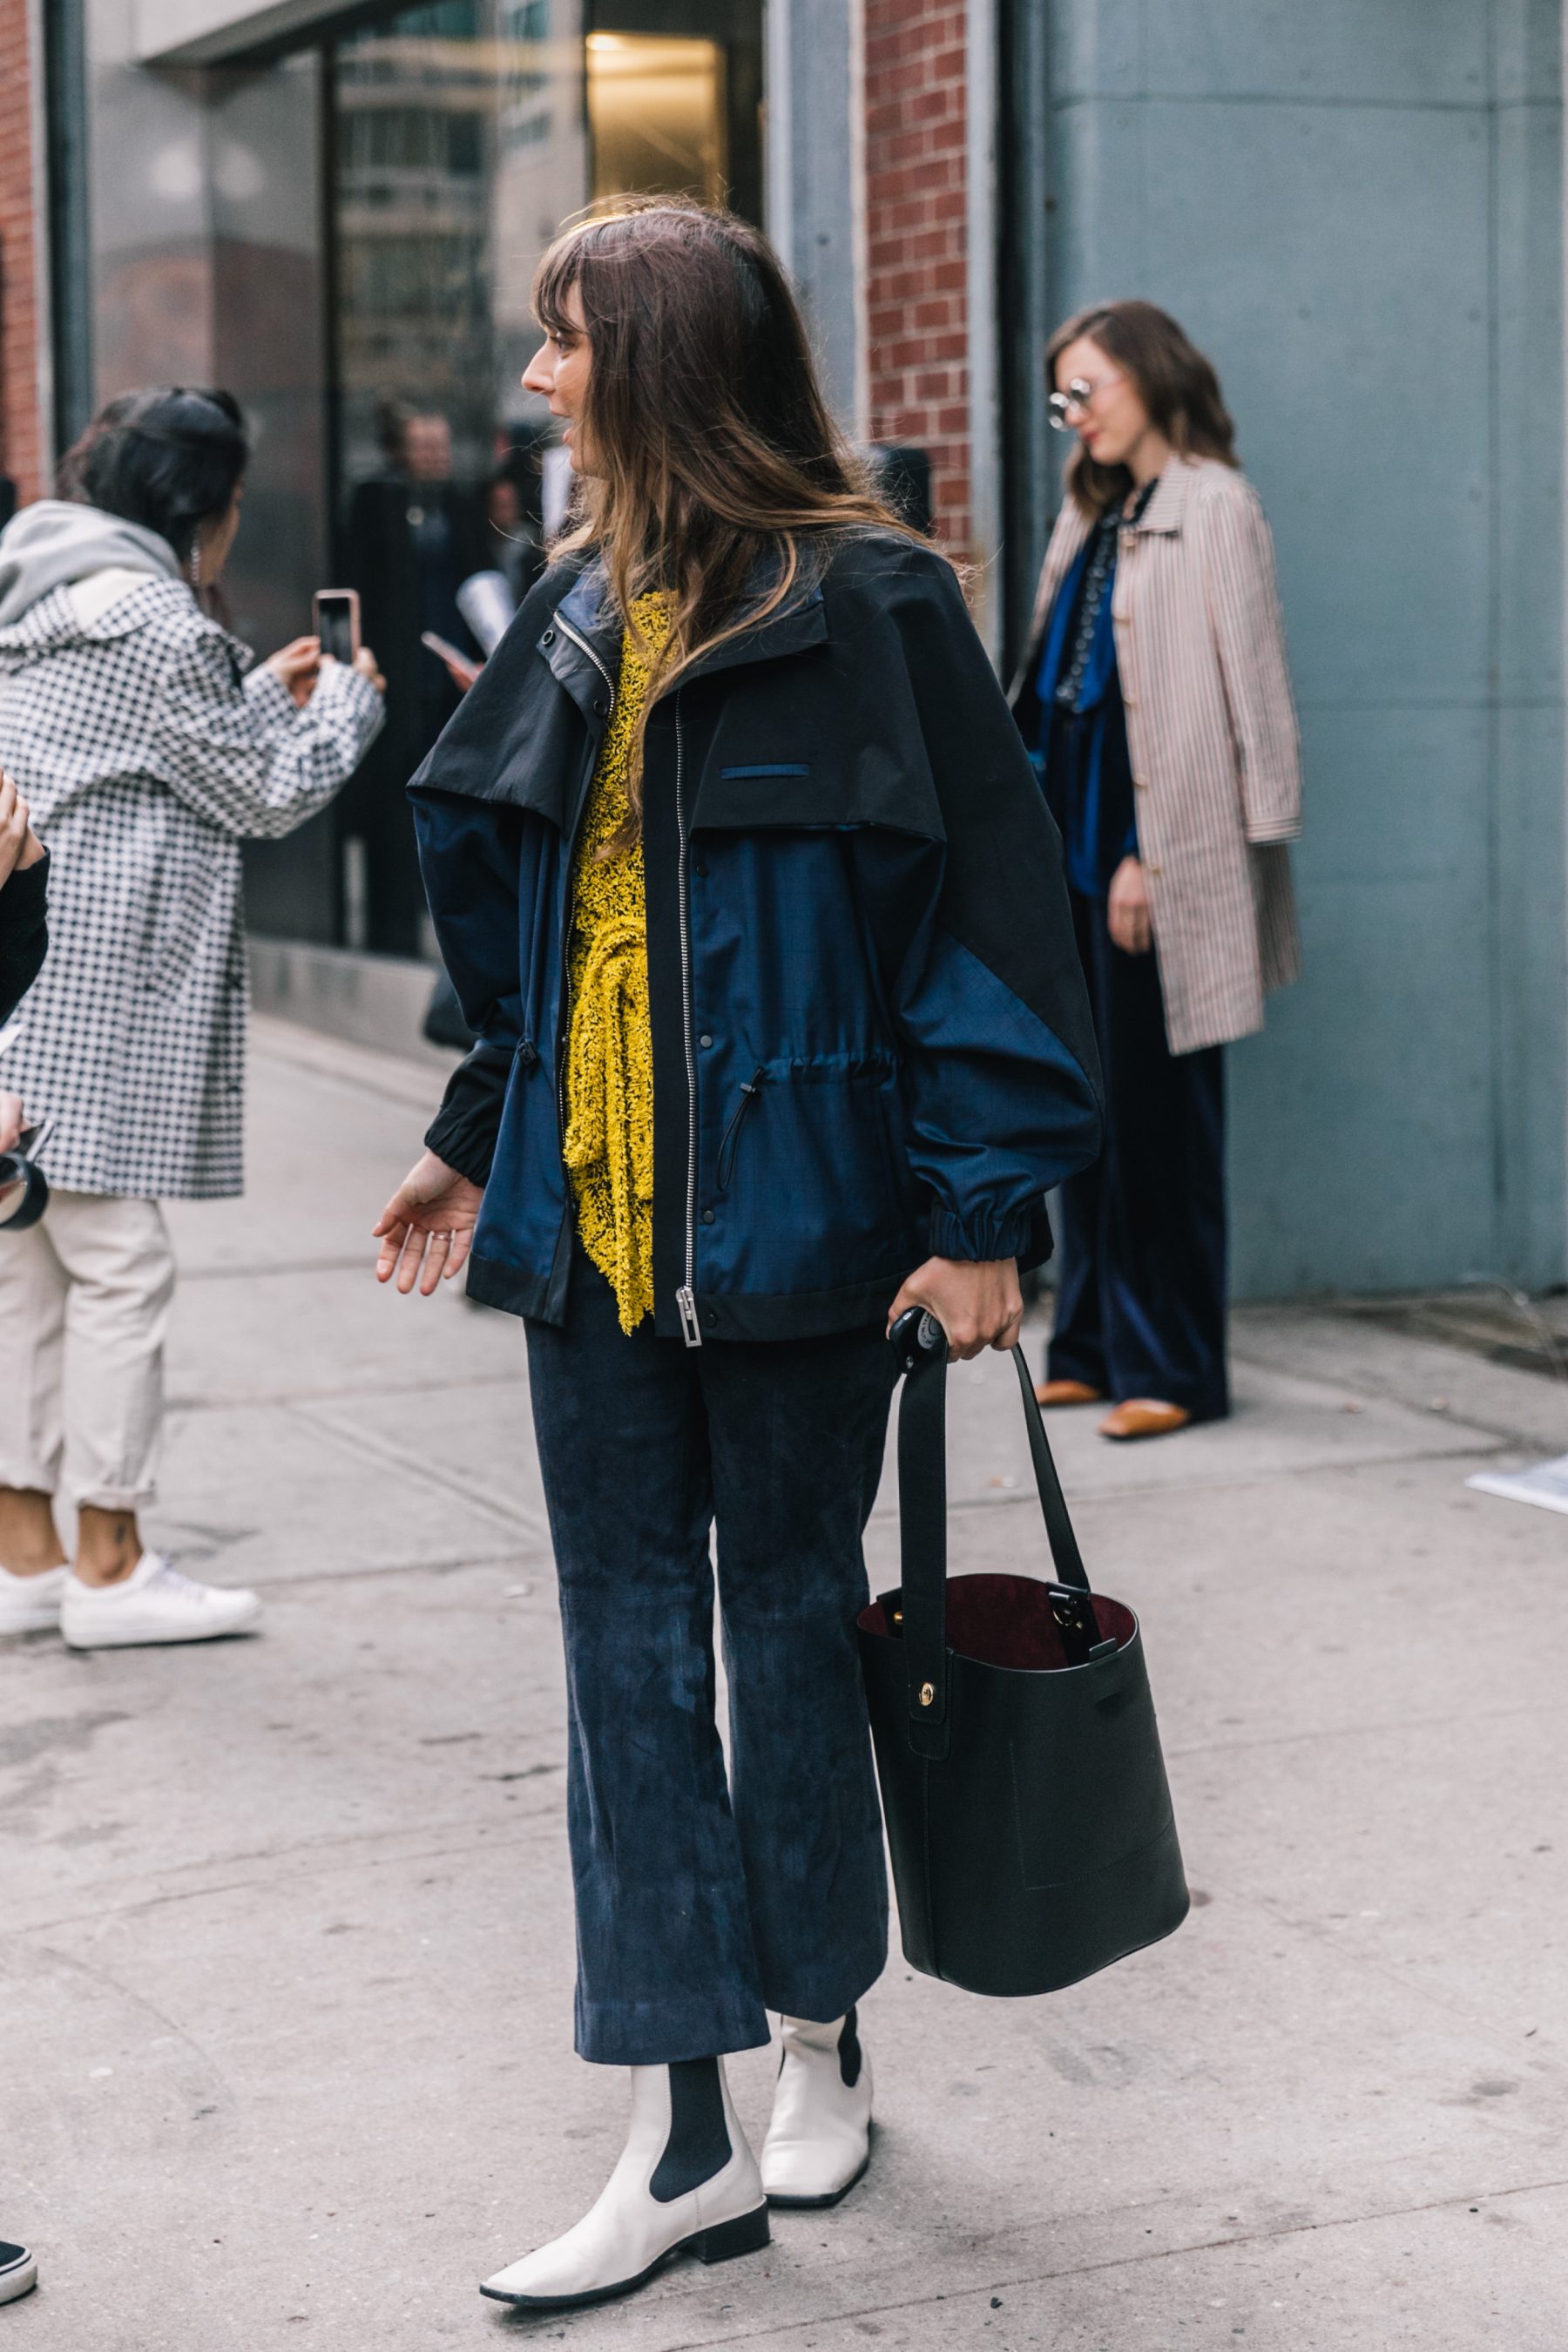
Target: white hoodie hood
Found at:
x=55, y=541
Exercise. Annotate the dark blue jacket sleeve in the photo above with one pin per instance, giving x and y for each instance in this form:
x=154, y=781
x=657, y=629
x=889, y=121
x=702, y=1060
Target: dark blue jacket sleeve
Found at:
x=468, y=856
x=976, y=942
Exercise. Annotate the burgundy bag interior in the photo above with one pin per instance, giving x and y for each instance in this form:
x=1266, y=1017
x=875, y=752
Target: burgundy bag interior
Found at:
x=1006, y=1621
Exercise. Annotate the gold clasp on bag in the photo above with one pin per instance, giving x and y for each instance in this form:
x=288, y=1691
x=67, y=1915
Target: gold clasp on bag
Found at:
x=928, y=1693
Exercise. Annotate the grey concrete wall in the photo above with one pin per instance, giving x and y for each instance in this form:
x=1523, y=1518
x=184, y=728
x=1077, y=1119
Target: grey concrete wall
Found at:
x=815, y=182
x=1355, y=209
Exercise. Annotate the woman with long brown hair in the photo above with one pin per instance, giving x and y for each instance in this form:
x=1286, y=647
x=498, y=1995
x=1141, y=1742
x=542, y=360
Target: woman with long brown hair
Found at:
x=1156, y=698
x=740, y=871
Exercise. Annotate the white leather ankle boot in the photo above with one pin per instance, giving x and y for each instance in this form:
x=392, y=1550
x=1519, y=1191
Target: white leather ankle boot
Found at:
x=687, y=2182
x=819, y=2141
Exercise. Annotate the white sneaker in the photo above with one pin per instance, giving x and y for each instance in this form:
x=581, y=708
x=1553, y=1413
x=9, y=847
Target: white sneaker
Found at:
x=31, y=1604
x=153, y=1603
x=686, y=2183
x=819, y=2141
x=18, y=2272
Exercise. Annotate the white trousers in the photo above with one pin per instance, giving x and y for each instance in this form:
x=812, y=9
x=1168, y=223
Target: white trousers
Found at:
x=84, y=1306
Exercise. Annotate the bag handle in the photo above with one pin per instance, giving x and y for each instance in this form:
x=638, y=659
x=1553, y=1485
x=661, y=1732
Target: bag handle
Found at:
x=920, y=1345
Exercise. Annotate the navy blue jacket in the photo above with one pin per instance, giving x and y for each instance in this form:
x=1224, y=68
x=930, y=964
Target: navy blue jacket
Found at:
x=871, y=1042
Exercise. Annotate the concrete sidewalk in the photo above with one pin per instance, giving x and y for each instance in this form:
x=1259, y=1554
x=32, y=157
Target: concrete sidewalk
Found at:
x=285, y=1926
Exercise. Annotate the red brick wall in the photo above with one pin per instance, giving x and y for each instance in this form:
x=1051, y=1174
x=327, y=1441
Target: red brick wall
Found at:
x=915, y=239
x=22, y=453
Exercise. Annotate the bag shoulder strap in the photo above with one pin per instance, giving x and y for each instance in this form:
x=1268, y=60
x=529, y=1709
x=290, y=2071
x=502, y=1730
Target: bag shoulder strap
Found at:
x=1065, y=1553
x=922, y=1524
x=922, y=1547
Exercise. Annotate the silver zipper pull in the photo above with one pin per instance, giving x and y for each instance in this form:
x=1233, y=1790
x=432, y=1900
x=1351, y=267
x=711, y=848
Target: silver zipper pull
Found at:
x=685, y=1305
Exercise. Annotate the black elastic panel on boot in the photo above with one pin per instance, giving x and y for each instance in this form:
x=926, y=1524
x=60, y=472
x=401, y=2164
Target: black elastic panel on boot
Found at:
x=849, y=2053
x=698, y=2142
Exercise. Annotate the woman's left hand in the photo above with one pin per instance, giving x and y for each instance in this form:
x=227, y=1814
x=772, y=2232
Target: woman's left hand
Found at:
x=12, y=1119
x=426, y=1228
x=978, y=1303
x=1127, y=913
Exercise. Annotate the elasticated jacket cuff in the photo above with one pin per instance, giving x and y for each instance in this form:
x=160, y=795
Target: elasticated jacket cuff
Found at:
x=980, y=1238
x=464, y=1130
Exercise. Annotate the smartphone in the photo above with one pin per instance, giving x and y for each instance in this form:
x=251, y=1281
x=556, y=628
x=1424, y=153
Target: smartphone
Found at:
x=445, y=650
x=335, y=612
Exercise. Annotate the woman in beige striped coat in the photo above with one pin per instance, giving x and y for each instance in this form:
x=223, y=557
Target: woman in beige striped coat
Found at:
x=1156, y=698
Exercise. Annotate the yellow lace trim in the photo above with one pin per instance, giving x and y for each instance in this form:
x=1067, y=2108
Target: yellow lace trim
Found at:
x=609, y=1054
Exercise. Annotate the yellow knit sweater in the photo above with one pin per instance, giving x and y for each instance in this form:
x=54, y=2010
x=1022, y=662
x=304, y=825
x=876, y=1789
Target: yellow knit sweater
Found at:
x=609, y=1052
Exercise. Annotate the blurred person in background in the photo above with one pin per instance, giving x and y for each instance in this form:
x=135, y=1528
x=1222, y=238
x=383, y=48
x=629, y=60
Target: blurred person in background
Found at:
x=24, y=936
x=148, y=755
x=1156, y=698
x=413, y=536
x=517, y=546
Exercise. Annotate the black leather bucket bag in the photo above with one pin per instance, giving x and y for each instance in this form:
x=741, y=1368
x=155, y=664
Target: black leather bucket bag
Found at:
x=1029, y=1813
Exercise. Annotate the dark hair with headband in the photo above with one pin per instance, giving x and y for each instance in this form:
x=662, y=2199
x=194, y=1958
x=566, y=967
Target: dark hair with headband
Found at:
x=164, y=457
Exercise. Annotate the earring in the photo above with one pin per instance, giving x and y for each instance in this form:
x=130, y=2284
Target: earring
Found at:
x=195, y=563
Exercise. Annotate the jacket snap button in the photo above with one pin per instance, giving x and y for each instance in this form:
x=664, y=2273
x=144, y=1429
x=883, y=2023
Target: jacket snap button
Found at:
x=700, y=872
x=705, y=1041
x=927, y=1694
x=548, y=638
x=711, y=1318
x=707, y=1216
x=600, y=709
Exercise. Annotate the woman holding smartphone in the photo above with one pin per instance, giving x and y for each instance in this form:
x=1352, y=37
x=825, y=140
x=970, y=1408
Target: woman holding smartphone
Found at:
x=149, y=749
x=739, y=868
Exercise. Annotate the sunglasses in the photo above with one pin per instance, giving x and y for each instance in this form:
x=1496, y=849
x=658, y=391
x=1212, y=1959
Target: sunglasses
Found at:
x=1077, y=398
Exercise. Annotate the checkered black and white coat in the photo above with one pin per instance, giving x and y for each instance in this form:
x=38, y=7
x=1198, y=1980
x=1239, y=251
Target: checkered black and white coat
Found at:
x=147, y=756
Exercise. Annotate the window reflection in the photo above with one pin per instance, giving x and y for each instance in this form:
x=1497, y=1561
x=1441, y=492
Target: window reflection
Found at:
x=460, y=145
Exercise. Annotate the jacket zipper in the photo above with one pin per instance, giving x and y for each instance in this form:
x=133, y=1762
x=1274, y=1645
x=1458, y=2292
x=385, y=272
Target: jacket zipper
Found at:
x=732, y=1137
x=566, y=1028
x=686, y=1297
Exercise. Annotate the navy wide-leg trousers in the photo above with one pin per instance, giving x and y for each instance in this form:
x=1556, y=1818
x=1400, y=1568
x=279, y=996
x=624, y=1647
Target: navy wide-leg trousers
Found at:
x=705, y=1898
x=1140, y=1305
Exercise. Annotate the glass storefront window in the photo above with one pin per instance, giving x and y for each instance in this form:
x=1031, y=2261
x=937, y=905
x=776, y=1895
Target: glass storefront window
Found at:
x=345, y=235
x=458, y=146
x=461, y=134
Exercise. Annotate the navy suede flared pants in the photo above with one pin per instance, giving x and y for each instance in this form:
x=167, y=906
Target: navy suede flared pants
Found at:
x=705, y=1898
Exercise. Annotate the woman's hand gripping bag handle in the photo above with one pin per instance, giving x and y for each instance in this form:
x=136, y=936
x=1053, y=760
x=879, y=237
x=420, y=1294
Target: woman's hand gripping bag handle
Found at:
x=1029, y=1813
